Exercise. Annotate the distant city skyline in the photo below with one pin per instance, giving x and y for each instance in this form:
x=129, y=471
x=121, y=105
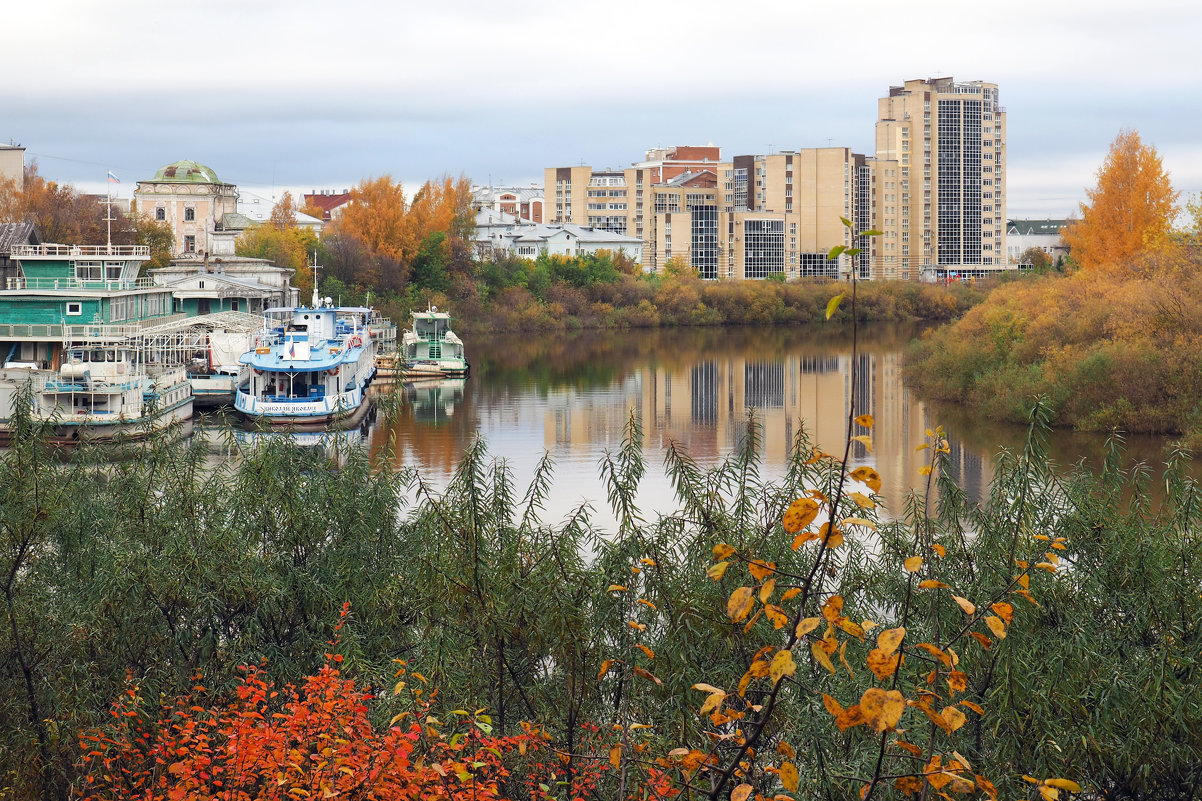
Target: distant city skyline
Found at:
x=300, y=97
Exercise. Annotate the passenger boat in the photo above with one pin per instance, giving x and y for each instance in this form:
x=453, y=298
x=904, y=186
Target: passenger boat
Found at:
x=310, y=366
x=431, y=349
x=102, y=393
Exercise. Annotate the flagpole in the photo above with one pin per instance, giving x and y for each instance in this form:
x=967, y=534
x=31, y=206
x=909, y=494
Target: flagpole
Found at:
x=108, y=212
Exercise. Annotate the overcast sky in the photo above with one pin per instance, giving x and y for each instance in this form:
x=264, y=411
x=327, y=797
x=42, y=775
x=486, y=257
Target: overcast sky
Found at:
x=308, y=95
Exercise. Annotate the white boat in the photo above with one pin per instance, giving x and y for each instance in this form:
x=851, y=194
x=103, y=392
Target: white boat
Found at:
x=310, y=366
x=101, y=393
x=431, y=349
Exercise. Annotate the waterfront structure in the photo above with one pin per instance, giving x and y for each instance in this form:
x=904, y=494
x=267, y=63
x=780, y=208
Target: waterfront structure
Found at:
x=192, y=200
x=526, y=203
x=16, y=233
x=1044, y=235
x=226, y=283
x=943, y=213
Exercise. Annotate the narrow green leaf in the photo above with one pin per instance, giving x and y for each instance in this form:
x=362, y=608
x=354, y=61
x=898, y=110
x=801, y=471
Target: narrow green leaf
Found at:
x=873, y=232
x=853, y=251
x=846, y=221
x=835, y=251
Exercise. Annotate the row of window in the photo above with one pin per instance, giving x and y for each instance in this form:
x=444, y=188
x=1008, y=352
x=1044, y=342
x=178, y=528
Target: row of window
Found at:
x=161, y=214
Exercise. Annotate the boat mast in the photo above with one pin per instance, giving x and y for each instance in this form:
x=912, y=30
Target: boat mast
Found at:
x=316, y=299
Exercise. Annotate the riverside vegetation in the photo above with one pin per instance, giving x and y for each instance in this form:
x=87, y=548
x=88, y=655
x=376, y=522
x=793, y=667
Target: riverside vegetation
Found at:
x=1114, y=342
x=297, y=626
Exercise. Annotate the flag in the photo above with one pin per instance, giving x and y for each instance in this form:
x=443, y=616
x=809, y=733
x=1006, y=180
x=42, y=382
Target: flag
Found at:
x=292, y=350
x=113, y=179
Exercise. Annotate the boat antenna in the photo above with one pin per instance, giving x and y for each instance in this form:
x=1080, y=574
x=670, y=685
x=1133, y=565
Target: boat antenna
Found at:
x=316, y=299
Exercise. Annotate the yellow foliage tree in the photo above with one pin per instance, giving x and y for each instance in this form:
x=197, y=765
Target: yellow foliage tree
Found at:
x=1130, y=212
x=376, y=216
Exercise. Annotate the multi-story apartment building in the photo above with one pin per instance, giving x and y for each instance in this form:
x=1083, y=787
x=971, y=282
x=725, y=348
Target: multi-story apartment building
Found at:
x=944, y=211
x=935, y=189
x=614, y=200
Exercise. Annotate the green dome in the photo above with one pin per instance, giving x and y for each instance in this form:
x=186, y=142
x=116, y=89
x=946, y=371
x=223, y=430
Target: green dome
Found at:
x=187, y=172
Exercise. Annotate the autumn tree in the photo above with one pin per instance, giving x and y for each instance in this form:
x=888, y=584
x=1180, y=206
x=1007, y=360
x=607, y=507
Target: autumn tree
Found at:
x=376, y=217
x=283, y=213
x=1035, y=257
x=1130, y=212
x=60, y=212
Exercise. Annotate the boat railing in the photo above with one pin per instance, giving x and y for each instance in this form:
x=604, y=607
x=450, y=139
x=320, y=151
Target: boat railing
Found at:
x=78, y=284
x=59, y=251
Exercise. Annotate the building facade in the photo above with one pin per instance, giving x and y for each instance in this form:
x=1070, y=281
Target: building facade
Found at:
x=942, y=201
x=523, y=202
x=192, y=200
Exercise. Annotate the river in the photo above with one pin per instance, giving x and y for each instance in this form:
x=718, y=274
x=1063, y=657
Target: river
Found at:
x=570, y=395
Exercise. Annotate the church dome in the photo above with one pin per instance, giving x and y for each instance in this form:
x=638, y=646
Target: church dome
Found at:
x=187, y=172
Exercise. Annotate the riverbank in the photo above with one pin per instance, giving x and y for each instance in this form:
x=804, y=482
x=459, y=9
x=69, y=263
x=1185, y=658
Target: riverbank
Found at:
x=1107, y=351
x=640, y=301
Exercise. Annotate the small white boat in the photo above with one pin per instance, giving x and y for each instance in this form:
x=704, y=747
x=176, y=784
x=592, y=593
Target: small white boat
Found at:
x=310, y=366
x=431, y=349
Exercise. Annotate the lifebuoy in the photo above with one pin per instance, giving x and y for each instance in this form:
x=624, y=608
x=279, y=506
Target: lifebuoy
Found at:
x=356, y=341
x=333, y=371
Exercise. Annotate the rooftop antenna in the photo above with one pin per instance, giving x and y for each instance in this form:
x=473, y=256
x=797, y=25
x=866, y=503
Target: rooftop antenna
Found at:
x=108, y=210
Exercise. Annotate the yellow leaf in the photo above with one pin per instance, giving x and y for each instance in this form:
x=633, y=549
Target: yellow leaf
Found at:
x=1063, y=784
x=803, y=538
x=832, y=540
x=923, y=446
x=784, y=749
x=974, y=707
x=782, y=665
x=779, y=618
x=954, y=717
x=996, y=626
x=821, y=657
x=767, y=590
x=882, y=664
x=760, y=569
x=832, y=306
x=865, y=420
x=646, y=674
x=889, y=639
x=938, y=549
x=615, y=756
x=789, y=777
x=861, y=500
x=740, y=603
x=858, y=521
x=925, y=470
x=650, y=654
x=713, y=702
x=882, y=709
x=931, y=584
x=605, y=666
x=1049, y=793
x=864, y=440
x=913, y=564
x=832, y=706
x=716, y=572
x=868, y=477
x=1003, y=610
x=800, y=514
x=806, y=626
x=706, y=688
x=647, y=604
x=851, y=628
x=790, y=594
x=852, y=716
x=965, y=604
x=723, y=551
x=832, y=610
x=616, y=588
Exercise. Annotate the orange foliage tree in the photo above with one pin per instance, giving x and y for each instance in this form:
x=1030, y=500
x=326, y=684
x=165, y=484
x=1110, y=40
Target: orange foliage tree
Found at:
x=1130, y=211
x=317, y=741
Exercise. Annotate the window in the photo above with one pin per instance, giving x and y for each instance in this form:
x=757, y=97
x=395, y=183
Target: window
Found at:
x=189, y=215
x=160, y=213
x=75, y=308
x=189, y=244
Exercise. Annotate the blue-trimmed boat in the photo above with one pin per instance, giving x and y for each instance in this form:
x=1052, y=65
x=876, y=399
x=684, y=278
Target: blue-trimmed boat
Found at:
x=310, y=366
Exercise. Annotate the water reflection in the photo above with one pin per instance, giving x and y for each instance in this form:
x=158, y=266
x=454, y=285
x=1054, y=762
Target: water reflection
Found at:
x=572, y=395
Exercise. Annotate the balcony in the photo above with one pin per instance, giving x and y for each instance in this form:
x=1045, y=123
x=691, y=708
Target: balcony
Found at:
x=79, y=284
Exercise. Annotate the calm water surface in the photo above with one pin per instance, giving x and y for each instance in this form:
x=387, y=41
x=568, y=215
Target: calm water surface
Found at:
x=571, y=395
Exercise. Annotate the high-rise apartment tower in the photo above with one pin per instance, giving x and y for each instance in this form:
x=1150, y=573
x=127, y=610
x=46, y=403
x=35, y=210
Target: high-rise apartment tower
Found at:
x=941, y=182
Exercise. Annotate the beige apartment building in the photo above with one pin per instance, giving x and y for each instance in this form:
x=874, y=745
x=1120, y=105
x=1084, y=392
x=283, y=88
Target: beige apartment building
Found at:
x=944, y=212
x=935, y=189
